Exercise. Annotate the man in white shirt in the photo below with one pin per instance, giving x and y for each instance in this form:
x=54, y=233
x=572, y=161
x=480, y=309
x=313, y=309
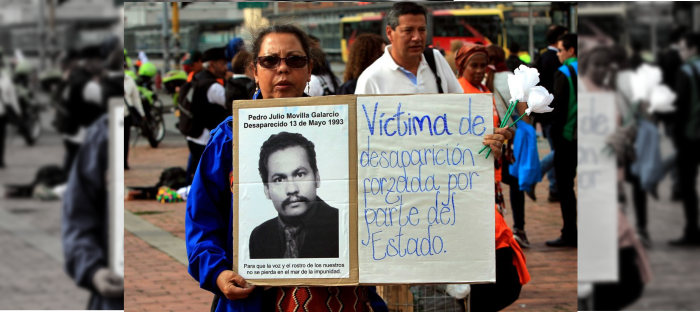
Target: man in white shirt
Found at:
x=403, y=69
x=8, y=100
x=209, y=101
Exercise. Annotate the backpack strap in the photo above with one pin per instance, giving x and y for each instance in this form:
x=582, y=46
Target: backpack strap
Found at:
x=430, y=58
x=326, y=90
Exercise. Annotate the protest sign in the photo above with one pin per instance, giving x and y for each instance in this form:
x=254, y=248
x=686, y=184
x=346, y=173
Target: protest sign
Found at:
x=597, y=189
x=413, y=199
x=116, y=185
x=303, y=149
x=425, y=195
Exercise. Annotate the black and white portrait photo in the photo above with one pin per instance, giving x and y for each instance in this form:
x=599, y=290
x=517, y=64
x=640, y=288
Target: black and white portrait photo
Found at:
x=305, y=225
x=293, y=191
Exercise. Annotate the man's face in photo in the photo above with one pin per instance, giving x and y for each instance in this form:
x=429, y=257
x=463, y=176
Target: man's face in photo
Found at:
x=291, y=183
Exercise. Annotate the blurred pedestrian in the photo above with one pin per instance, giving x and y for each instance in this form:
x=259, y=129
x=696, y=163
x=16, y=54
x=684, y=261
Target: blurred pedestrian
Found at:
x=8, y=100
x=323, y=81
x=209, y=105
x=547, y=64
x=564, y=138
x=513, y=61
x=687, y=135
x=81, y=101
x=472, y=61
x=455, y=45
x=195, y=63
x=133, y=113
x=497, y=82
x=669, y=60
x=241, y=85
x=366, y=49
x=636, y=59
x=85, y=223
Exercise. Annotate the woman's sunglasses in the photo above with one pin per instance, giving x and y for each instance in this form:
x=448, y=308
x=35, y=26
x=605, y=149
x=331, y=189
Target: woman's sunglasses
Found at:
x=292, y=61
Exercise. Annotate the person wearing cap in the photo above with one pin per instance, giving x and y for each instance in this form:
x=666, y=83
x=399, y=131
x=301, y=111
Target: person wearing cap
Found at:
x=209, y=100
x=194, y=62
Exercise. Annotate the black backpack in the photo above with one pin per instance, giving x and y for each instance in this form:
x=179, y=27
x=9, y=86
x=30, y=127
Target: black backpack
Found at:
x=186, y=123
x=71, y=109
x=173, y=178
x=238, y=89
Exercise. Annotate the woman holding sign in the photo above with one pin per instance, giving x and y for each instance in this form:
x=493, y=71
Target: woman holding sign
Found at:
x=282, y=69
x=511, y=272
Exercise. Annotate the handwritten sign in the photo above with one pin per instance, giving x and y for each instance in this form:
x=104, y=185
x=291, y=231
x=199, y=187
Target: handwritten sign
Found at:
x=116, y=184
x=597, y=189
x=425, y=195
x=304, y=187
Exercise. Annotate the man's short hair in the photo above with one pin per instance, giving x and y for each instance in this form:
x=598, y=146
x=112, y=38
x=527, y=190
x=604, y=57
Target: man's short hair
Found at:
x=554, y=32
x=284, y=140
x=514, y=48
x=240, y=61
x=677, y=34
x=403, y=8
x=692, y=41
x=569, y=41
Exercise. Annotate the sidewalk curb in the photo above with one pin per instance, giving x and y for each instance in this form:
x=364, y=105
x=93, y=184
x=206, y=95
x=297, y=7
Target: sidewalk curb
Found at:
x=156, y=237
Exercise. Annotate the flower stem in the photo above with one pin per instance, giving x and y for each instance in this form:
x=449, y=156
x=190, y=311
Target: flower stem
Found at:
x=521, y=117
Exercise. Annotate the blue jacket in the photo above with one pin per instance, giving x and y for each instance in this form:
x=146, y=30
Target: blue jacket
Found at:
x=209, y=223
x=527, y=161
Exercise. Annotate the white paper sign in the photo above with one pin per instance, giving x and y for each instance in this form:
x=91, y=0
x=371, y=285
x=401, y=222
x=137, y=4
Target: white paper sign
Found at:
x=597, y=189
x=425, y=195
x=322, y=244
x=116, y=209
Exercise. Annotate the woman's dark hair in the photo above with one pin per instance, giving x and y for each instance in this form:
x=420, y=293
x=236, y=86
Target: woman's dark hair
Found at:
x=280, y=29
x=321, y=66
x=284, y=140
x=366, y=49
x=588, y=55
x=240, y=61
x=403, y=8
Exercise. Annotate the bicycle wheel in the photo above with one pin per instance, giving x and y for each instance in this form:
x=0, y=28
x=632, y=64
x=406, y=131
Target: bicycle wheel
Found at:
x=157, y=123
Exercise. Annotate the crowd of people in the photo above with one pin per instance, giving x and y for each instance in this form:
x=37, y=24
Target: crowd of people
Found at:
x=282, y=61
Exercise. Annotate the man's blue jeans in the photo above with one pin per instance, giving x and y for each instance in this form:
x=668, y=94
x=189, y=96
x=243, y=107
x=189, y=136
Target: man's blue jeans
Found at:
x=547, y=163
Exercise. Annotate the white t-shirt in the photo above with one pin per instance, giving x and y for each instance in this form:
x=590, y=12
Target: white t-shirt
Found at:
x=384, y=76
x=316, y=85
x=216, y=95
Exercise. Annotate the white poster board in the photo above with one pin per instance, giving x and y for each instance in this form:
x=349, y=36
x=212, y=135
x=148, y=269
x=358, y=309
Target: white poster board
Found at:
x=116, y=185
x=327, y=127
x=425, y=195
x=597, y=189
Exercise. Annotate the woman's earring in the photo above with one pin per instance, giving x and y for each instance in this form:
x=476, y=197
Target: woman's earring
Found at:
x=307, y=88
x=257, y=92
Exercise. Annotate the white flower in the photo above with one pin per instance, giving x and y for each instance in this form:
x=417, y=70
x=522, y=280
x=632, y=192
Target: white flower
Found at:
x=662, y=99
x=644, y=80
x=520, y=82
x=539, y=101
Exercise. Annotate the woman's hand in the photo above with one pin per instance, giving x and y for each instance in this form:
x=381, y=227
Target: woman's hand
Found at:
x=233, y=285
x=496, y=140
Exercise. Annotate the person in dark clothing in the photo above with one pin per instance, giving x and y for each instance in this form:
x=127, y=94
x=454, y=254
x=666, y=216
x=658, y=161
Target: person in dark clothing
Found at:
x=564, y=136
x=208, y=101
x=636, y=58
x=366, y=49
x=85, y=223
x=547, y=64
x=686, y=134
x=513, y=61
x=240, y=86
x=670, y=62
